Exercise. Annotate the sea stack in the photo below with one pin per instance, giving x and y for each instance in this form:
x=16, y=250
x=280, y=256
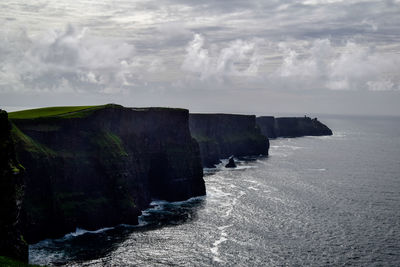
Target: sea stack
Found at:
x=231, y=163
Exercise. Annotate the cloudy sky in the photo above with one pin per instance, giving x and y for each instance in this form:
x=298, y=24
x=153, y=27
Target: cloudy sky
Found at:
x=254, y=57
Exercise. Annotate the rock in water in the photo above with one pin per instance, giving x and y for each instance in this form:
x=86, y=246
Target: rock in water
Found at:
x=231, y=163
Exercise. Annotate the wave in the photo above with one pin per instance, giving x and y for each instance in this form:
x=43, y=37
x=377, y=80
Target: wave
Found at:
x=80, y=231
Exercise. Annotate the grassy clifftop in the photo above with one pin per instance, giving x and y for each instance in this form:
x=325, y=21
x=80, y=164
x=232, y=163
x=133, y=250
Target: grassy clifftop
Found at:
x=62, y=112
x=74, y=111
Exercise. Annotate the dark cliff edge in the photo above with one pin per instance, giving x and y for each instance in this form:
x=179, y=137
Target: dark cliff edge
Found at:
x=12, y=243
x=292, y=127
x=100, y=166
x=223, y=135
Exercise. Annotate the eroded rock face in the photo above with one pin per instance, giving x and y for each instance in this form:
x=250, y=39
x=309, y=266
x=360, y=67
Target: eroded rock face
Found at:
x=223, y=135
x=103, y=169
x=12, y=243
x=292, y=127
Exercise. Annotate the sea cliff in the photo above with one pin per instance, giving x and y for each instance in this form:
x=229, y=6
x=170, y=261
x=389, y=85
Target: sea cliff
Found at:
x=99, y=166
x=93, y=167
x=224, y=135
x=12, y=243
x=292, y=126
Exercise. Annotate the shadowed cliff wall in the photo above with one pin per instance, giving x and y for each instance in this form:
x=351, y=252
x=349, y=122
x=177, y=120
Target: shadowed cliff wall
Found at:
x=102, y=168
x=12, y=243
x=223, y=135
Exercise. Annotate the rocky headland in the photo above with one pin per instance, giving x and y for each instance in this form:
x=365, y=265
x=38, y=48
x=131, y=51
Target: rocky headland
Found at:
x=292, y=126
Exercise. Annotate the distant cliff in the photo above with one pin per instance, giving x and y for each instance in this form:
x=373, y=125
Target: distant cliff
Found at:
x=12, y=243
x=92, y=167
x=223, y=135
x=291, y=127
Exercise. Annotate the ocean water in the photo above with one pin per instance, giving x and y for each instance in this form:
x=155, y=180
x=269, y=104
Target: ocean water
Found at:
x=315, y=201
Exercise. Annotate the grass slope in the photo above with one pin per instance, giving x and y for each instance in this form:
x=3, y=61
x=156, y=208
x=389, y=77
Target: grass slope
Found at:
x=68, y=111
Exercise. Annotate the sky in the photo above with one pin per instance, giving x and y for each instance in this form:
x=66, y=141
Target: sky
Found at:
x=251, y=57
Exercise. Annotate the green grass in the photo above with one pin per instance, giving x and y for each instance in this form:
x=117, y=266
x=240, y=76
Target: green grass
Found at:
x=28, y=143
x=73, y=111
x=46, y=112
x=7, y=262
x=61, y=112
x=109, y=143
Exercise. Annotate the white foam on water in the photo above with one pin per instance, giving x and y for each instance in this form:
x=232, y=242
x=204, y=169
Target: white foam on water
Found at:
x=223, y=238
x=275, y=199
x=253, y=188
x=215, y=192
x=224, y=227
x=158, y=204
x=243, y=167
x=229, y=211
x=255, y=185
x=80, y=231
x=251, y=181
x=215, y=248
x=233, y=204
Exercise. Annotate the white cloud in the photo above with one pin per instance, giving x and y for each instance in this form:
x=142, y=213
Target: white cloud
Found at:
x=70, y=58
x=382, y=85
x=197, y=59
x=349, y=67
x=237, y=58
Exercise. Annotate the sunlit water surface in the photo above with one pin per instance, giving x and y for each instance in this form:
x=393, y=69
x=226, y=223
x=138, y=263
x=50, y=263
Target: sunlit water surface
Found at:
x=315, y=201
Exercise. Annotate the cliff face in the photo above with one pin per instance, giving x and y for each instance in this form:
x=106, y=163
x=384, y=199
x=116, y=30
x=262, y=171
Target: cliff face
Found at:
x=292, y=127
x=12, y=243
x=267, y=126
x=101, y=167
x=223, y=135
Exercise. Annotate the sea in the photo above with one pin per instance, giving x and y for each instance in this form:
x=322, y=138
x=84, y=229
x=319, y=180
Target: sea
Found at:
x=314, y=201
